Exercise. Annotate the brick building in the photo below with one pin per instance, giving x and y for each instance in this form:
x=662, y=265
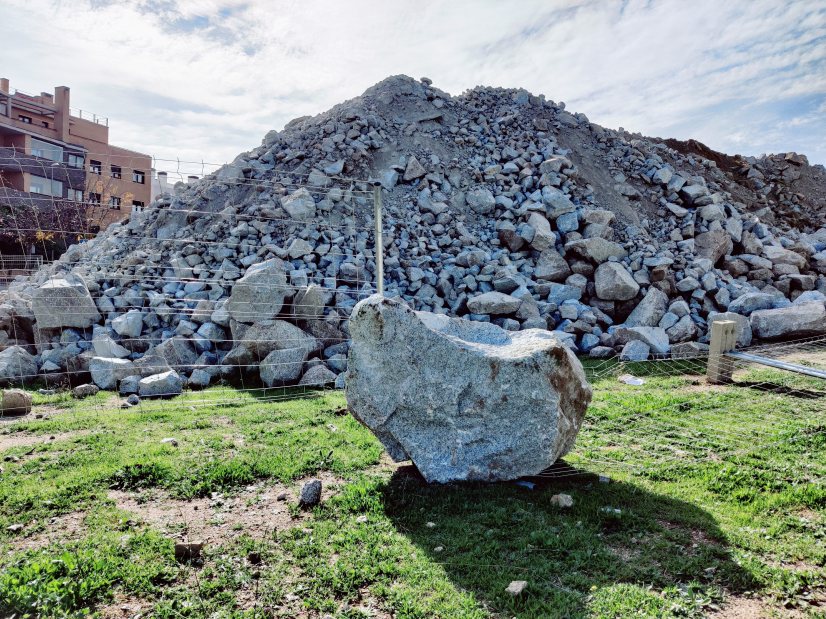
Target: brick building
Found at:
x=50, y=154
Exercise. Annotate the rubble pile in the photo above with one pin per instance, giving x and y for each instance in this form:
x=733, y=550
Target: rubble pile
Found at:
x=499, y=206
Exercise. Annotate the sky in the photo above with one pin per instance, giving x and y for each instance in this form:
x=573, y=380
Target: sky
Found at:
x=203, y=80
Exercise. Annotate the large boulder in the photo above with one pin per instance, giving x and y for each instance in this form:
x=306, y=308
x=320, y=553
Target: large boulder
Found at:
x=743, y=325
x=16, y=366
x=64, y=302
x=299, y=205
x=259, y=295
x=464, y=400
x=713, y=245
x=106, y=372
x=493, y=303
x=161, y=385
x=282, y=367
x=650, y=310
x=803, y=320
x=15, y=402
x=596, y=249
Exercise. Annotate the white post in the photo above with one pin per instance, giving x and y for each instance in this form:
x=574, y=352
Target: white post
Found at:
x=378, y=250
x=723, y=340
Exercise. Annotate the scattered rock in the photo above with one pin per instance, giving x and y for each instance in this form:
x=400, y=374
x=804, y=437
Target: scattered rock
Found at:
x=310, y=494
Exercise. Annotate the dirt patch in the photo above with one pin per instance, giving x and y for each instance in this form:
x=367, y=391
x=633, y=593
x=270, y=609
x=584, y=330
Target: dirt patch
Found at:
x=738, y=607
x=24, y=439
x=57, y=530
x=123, y=606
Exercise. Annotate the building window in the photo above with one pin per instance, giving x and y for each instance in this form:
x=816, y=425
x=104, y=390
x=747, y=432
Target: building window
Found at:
x=25, y=119
x=76, y=195
x=114, y=203
x=45, y=150
x=95, y=167
x=116, y=171
x=94, y=198
x=75, y=161
x=138, y=177
x=45, y=186
x=45, y=123
x=137, y=203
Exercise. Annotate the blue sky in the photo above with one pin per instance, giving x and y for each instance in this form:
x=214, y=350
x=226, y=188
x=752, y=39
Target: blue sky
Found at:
x=206, y=79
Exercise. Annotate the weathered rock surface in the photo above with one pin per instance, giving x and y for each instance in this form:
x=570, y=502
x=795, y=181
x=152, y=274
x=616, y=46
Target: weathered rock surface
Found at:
x=16, y=365
x=463, y=400
x=15, y=402
x=159, y=385
x=64, y=302
x=259, y=294
x=803, y=320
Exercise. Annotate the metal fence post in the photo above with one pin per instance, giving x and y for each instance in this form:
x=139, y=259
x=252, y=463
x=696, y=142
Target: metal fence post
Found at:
x=379, y=243
x=723, y=340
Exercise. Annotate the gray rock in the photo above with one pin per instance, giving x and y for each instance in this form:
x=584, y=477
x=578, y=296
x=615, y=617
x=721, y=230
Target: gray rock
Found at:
x=64, y=302
x=414, y=169
x=84, y=391
x=493, y=303
x=743, y=325
x=299, y=205
x=283, y=367
x=129, y=324
x=751, y=301
x=655, y=337
x=551, y=266
x=17, y=365
x=713, y=245
x=199, y=379
x=310, y=494
x=635, y=350
x=178, y=352
x=613, y=282
x=650, y=310
x=543, y=237
x=158, y=385
x=105, y=346
x=16, y=402
x=596, y=249
x=803, y=320
x=481, y=200
x=464, y=400
x=106, y=372
x=318, y=376
x=259, y=294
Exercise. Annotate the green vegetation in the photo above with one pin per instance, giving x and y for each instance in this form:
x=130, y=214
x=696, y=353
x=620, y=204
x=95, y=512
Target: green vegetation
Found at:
x=716, y=497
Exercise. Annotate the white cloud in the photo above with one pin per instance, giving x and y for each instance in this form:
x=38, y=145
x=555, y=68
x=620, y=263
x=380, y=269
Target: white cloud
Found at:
x=197, y=79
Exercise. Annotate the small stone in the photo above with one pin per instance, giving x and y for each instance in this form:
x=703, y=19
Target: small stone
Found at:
x=84, y=391
x=133, y=400
x=188, y=551
x=516, y=587
x=562, y=500
x=430, y=525
x=14, y=528
x=170, y=441
x=438, y=549
x=310, y=493
x=281, y=496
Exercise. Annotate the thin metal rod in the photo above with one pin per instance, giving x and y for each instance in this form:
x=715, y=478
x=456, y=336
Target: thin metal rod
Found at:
x=379, y=249
x=774, y=363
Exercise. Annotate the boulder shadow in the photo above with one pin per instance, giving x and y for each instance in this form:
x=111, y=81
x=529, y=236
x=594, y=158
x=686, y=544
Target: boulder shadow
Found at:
x=617, y=536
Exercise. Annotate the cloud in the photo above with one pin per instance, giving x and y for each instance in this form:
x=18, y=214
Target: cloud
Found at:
x=206, y=79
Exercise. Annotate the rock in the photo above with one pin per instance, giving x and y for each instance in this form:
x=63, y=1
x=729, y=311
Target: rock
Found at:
x=133, y=399
x=310, y=494
x=318, y=376
x=188, y=551
x=743, y=326
x=283, y=367
x=299, y=205
x=177, y=352
x=309, y=302
x=129, y=324
x=596, y=249
x=650, y=310
x=464, y=400
x=613, y=282
x=64, y=302
x=687, y=350
x=106, y=372
x=264, y=337
x=655, y=337
x=635, y=350
x=105, y=346
x=16, y=402
x=713, y=245
x=493, y=303
x=17, y=365
x=543, y=237
x=795, y=321
x=562, y=500
x=751, y=301
x=259, y=294
x=413, y=170
x=481, y=200
x=165, y=384
x=516, y=587
x=199, y=379
x=551, y=267
x=84, y=391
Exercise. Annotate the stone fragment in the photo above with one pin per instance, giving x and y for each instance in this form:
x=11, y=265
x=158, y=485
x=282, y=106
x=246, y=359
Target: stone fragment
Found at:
x=596, y=249
x=464, y=400
x=713, y=245
x=106, y=372
x=17, y=365
x=413, y=170
x=516, y=587
x=318, y=376
x=562, y=500
x=129, y=324
x=635, y=350
x=299, y=205
x=159, y=385
x=84, y=391
x=310, y=494
x=613, y=282
x=493, y=303
x=481, y=200
x=795, y=321
x=650, y=310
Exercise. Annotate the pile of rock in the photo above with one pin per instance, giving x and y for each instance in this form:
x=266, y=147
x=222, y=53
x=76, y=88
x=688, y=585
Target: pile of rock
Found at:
x=500, y=207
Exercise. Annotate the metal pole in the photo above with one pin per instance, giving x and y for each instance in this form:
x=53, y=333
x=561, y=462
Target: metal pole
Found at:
x=379, y=244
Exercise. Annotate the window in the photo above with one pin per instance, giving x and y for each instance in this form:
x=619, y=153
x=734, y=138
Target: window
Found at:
x=95, y=167
x=25, y=119
x=116, y=171
x=45, y=186
x=76, y=195
x=45, y=150
x=94, y=198
x=138, y=177
x=75, y=161
x=138, y=203
x=114, y=203
x=45, y=123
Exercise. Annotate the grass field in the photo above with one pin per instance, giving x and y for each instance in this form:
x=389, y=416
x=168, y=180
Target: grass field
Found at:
x=714, y=505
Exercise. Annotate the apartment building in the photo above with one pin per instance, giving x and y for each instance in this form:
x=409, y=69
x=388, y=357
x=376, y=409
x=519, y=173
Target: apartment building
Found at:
x=51, y=154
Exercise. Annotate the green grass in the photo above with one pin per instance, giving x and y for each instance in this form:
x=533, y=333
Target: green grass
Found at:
x=714, y=494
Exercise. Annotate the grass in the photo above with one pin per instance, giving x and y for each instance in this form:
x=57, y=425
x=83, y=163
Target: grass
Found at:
x=716, y=495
